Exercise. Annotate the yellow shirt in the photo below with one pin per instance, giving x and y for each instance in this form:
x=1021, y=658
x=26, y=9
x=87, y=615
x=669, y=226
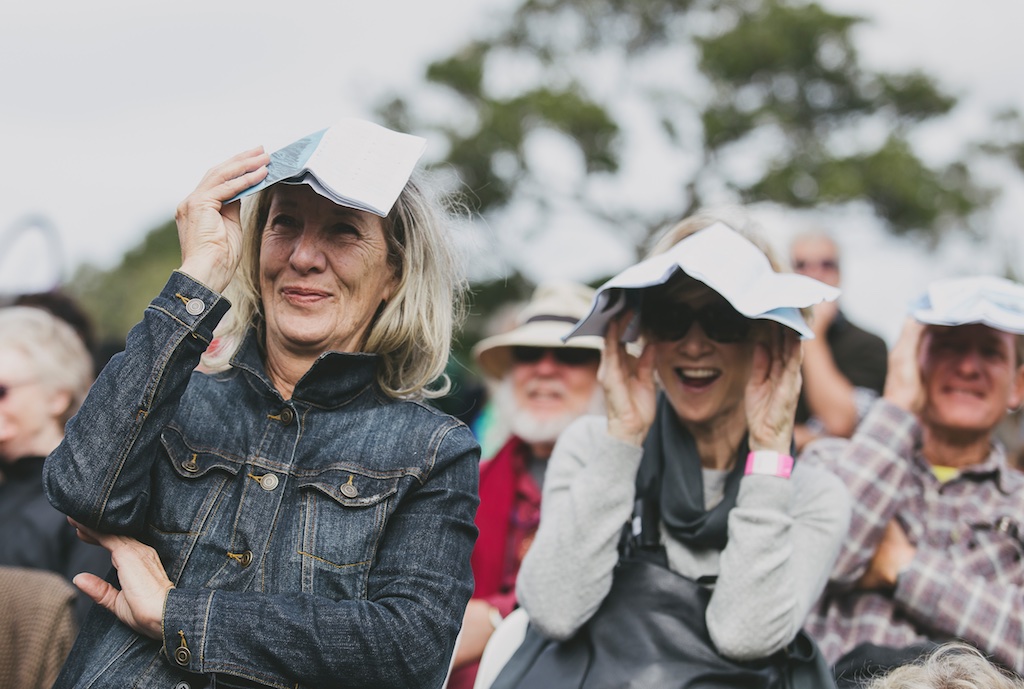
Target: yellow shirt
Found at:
x=945, y=474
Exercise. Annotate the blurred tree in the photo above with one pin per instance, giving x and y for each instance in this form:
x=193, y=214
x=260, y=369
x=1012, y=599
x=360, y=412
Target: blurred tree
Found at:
x=116, y=298
x=667, y=105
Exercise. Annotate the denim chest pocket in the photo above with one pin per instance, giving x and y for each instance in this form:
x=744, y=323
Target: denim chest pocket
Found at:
x=344, y=514
x=190, y=481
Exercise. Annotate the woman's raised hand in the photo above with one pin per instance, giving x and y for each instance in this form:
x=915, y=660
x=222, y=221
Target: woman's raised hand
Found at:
x=628, y=384
x=773, y=390
x=144, y=584
x=209, y=230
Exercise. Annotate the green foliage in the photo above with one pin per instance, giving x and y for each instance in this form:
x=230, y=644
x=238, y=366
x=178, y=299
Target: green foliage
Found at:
x=778, y=84
x=891, y=178
x=116, y=298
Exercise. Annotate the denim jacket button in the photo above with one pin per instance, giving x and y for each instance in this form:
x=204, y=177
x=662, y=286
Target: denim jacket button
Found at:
x=182, y=685
x=349, y=491
x=182, y=656
x=195, y=306
x=268, y=482
x=246, y=558
x=287, y=416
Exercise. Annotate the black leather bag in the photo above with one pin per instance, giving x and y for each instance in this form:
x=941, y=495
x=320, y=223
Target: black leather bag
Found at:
x=650, y=633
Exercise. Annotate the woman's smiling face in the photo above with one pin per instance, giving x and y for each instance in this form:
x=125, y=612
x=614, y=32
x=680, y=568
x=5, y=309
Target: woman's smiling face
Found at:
x=324, y=272
x=704, y=379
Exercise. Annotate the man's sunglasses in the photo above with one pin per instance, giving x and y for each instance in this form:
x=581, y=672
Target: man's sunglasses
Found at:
x=670, y=321
x=570, y=356
x=826, y=264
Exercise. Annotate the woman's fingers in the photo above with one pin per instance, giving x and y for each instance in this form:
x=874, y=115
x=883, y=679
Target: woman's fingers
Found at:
x=237, y=173
x=144, y=583
x=97, y=589
x=645, y=364
x=614, y=367
x=83, y=533
x=628, y=384
x=774, y=389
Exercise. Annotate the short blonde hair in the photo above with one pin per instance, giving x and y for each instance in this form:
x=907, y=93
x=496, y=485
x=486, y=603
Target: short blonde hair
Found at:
x=952, y=665
x=412, y=334
x=735, y=217
x=57, y=353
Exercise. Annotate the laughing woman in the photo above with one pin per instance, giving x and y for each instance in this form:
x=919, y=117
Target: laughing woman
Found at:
x=698, y=433
x=298, y=517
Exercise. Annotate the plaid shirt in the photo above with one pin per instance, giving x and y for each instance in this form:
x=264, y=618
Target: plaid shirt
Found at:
x=967, y=579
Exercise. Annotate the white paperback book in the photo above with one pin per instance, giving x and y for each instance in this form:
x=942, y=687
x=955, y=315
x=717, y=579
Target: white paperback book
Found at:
x=725, y=261
x=355, y=163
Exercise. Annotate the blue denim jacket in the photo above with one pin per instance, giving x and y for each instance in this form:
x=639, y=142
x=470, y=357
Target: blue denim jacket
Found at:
x=322, y=541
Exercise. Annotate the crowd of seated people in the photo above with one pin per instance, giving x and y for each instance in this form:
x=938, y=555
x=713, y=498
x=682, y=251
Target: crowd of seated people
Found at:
x=705, y=481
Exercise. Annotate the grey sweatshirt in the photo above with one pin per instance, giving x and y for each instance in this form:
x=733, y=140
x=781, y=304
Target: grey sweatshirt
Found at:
x=784, y=536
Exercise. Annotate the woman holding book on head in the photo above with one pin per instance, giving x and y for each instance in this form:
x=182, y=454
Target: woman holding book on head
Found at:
x=296, y=517
x=678, y=545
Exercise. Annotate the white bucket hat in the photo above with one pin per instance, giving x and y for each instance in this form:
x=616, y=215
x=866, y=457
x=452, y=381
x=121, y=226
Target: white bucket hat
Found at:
x=550, y=315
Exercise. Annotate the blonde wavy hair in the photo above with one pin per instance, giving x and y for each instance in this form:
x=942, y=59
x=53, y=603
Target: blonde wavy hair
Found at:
x=735, y=217
x=952, y=665
x=412, y=334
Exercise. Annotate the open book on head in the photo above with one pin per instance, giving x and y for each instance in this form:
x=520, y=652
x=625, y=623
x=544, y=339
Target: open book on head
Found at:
x=355, y=163
x=725, y=261
x=989, y=300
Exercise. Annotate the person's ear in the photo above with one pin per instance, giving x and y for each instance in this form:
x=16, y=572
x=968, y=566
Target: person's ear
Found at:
x=1017, y=390
x=59, y=403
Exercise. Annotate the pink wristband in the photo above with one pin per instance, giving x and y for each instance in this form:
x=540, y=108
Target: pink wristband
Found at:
x=769, y=463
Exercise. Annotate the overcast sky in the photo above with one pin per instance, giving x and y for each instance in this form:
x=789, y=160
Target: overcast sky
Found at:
x=111, y=111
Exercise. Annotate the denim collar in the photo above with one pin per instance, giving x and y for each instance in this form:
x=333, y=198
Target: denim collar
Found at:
x=334, y=378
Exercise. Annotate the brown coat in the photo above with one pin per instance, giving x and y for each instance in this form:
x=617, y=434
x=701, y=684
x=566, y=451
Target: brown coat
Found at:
x=37, y=625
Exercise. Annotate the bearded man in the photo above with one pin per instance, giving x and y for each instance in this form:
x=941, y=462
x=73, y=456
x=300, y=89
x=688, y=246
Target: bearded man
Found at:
x=540, y=385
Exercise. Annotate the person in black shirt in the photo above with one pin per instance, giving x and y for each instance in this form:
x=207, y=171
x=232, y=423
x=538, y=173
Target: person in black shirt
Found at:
x=844, y=366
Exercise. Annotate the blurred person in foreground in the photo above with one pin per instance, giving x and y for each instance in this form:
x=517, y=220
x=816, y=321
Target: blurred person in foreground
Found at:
x=45, y=373
x=951, y=666
x=299, y=517
x=844, y=366
x=693, y=459
x=935, y=547
x=540, y=385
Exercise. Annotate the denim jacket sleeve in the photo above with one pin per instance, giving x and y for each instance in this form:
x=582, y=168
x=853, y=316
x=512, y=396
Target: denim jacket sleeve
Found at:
x=100, y=473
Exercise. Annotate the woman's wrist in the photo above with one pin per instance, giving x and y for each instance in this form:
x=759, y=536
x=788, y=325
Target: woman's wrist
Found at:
x=626, y=434
x=769, y=463
x=209, y=276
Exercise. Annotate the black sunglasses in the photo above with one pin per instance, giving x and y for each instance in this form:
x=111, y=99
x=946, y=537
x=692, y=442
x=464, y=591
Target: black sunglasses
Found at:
x=826, y=264
x=669, y=321
x=570, y=356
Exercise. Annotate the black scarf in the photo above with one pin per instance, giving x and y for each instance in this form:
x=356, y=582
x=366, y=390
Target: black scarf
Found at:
x=670, y=458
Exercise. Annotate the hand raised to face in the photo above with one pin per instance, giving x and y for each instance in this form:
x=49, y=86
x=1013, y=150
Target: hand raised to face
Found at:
x=209, y=230
x=903, y=385
x=773, y=389
x=628, y=384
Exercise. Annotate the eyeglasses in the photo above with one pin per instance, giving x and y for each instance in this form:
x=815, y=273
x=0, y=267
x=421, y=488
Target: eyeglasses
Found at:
x=5, y=388
x=669, y=321
x=828, y=264
x=570, y=356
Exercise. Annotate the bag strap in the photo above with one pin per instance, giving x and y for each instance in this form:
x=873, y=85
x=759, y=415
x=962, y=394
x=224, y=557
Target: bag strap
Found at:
x=641, y=535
